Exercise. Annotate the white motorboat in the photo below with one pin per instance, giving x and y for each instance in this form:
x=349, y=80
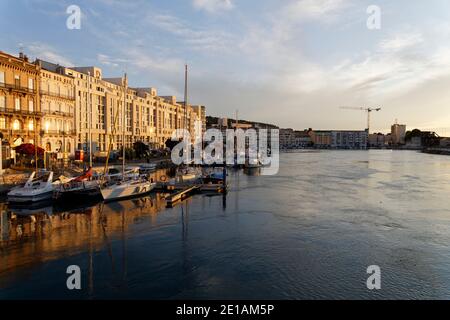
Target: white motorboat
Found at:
x=127, y=189
x=38, y=187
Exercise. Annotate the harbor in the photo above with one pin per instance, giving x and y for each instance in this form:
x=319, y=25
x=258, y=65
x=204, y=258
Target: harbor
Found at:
x=209, y=159
x=307, y=233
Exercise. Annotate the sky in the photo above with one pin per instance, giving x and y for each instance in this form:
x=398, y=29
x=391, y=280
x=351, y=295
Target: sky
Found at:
x=292, y=63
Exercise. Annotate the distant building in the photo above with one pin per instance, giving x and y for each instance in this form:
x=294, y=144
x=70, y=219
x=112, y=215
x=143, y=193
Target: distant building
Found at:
x=398, y=133
x=295, y=139
x=302, y=139
x=321, y=139
x=243, y=126
x=349, y=139
x=414, y=143
x=286, y=137
x=377, y=140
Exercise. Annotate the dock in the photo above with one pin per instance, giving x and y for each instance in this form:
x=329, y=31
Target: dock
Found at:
x=180, y=195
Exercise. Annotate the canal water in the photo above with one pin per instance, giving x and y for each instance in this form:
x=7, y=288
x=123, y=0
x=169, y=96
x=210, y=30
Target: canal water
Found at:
x=309, y=232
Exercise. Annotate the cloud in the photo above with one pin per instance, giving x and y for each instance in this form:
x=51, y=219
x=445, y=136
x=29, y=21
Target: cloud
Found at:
x=197, y=39
x=213, y=6
x=314, y=9
x=109, y=61
x=45, y=52
x=144, y=61
x=402, y=41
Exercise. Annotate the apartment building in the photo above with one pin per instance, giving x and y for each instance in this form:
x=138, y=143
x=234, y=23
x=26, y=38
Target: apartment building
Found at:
x=343, y=139
x=20, y=114
x=91, y=116
x=321, y=139
x=398, y=133
x=58, y=109
x=80, y=108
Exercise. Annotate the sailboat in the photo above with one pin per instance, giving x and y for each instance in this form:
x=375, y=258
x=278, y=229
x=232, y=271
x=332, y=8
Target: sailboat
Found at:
x=128, y=187
x=78, y=187
x=39, y=187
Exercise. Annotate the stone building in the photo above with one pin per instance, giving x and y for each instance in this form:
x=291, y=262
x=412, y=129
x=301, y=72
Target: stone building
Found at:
x=58, y=109
x=20, y=112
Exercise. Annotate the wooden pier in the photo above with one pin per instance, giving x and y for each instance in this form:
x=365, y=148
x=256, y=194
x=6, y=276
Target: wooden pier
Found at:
x=180, y=195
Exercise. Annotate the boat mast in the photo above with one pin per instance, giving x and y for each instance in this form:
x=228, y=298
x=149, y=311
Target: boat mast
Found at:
x=35, y=144
x=90, y=119
x=185, y=107
x=124, y=124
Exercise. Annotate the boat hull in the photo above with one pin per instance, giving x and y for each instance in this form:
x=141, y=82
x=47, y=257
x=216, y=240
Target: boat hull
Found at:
x=126, y=191
x=18, y=198
x=81, y=194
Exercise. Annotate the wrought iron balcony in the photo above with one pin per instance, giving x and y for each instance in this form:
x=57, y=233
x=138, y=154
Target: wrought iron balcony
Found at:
x=65, y=133
x=58, y=113
x=17, y=87
x=20, y=111
x=58, y=95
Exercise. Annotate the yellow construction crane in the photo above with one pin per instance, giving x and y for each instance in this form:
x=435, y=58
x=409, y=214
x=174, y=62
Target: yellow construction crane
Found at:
x=368, y=110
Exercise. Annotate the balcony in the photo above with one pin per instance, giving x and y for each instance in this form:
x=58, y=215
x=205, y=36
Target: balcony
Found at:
x=58, y=113
x=58, y=95
x=65, y=133
x=17, y=87
x=14, y=111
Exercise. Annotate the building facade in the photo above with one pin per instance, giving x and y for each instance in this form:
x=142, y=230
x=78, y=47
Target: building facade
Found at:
x=286, y=137
x=355, y=140
x=64, y=109
x=321, y=139
x=378, y=140
x=58, y=108
x=20, y=113
x=398, y=133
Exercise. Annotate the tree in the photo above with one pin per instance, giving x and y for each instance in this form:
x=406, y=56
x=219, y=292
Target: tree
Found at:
x=171, y=144
x=411, y=134
x=141, y=149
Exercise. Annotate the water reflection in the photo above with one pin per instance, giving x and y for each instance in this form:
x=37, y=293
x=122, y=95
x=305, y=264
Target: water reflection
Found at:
x=27, y=233
x=307, y=233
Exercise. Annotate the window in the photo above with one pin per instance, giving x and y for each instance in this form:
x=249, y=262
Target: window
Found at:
x=47, y=126
x=31, y=125
x=2, y=123
x=2, y=77
x=2, y=102
x=16, y=125
x=17, y=80
x=30, y=83
x=17, y=104
x=31, y=105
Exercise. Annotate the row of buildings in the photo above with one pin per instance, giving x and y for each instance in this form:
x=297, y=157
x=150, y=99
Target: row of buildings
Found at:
x=323, y=139
x=341, y=139
x=63, y=109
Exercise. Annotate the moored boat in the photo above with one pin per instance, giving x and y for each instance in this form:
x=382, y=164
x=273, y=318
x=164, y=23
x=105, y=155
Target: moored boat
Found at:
x=131, y=184
x=127, y=189
x=79, y=187
x=39, y=187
